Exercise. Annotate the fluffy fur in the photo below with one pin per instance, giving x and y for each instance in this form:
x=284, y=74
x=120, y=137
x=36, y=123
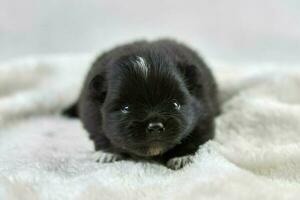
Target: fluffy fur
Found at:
x=162, y=84
x=254, y=155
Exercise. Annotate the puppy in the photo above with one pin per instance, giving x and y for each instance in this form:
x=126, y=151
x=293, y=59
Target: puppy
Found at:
x=148, y=101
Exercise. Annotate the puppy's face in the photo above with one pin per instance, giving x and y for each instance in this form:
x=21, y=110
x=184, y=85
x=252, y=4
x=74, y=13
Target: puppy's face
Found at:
x=147, y=109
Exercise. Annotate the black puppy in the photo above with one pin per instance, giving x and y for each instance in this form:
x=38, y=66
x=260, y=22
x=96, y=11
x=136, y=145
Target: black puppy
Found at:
x=148, y=100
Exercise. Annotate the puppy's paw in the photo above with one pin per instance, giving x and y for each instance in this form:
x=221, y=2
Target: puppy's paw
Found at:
x=105, y=157
x=179, y=162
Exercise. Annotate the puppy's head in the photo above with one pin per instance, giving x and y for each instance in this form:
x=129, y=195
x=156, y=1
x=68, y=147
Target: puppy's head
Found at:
x=147, y=108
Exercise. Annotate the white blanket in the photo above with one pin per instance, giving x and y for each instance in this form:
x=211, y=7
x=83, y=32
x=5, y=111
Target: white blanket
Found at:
x=255, y=155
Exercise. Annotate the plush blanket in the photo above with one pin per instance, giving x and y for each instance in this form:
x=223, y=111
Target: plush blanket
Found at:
x=255, y=154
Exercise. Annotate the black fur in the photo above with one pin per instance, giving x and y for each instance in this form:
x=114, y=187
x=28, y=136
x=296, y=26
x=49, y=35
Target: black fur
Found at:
x=176, y=76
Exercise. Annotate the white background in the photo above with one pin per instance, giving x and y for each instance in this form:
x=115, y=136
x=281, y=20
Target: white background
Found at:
x=232, y=30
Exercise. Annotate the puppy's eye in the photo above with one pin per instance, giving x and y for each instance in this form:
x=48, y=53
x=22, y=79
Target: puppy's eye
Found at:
x=176, y=104
x=125, y=109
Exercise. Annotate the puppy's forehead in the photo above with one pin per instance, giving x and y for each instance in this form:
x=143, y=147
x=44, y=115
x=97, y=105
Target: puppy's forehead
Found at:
x=141, y=64
x=147, y=78
x=144, y=69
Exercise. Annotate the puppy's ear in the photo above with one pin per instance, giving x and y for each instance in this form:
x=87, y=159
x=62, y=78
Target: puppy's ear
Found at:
x=97, y=87
x=192, y=76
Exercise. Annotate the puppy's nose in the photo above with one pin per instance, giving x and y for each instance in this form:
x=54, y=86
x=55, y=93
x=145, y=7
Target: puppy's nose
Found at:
x=156, y=127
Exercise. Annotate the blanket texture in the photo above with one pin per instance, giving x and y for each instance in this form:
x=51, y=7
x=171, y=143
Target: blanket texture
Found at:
x=255, y=155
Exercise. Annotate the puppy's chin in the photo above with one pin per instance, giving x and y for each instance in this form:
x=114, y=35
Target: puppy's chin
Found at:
x=155, y=149
x=150, y=150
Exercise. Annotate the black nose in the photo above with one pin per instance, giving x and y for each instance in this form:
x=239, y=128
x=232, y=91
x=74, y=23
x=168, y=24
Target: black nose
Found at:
x=156, y=127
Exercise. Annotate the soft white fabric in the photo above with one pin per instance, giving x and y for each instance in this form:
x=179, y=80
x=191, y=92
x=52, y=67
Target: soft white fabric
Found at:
x=255, y=155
